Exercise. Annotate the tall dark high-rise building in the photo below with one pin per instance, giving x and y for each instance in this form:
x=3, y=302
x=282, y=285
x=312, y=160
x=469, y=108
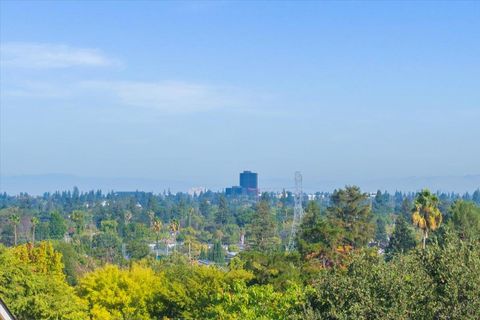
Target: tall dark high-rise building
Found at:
x=249, y=180
x=248, y=185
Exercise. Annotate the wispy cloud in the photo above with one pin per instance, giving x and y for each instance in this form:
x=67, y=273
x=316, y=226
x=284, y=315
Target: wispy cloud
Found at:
x=45, y=56
x=167, y=97
x=170, y=96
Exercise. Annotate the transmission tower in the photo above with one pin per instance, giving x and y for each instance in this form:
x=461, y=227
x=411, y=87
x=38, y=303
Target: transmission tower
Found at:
x=297, y=211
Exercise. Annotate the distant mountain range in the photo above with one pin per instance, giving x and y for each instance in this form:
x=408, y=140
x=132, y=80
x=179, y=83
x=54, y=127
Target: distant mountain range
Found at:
x=38, y=184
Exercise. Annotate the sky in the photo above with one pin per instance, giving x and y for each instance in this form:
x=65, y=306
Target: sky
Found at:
x=189, y=94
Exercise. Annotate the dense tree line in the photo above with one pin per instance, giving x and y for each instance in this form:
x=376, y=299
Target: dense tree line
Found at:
x=75, y=255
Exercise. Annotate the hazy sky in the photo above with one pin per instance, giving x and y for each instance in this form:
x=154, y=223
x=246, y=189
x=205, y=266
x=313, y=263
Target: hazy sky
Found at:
x=199, y=91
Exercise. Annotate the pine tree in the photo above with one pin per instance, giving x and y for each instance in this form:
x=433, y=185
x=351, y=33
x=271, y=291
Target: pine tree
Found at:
x=317, y=237
x=350, y=210
x=222, y=213
x=381, y=233
x=262, y=234
x=217, y=253
x=402, y=238
x=57, y=226
x=203, y=254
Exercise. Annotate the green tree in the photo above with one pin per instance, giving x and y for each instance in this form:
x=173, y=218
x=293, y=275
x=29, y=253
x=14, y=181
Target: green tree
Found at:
x=369, y=288
x=454, y=271
x=406, y=209
x=317, y=237
x=381, y=233
x=33, y=285
x=107, y=246
x=203, y=254
x=277, y=268
x=476, y=197
x=350, y=210
x=425, y=214
x=78, y=217
x=217, y=253
x=223, y=212
x=262, y=235
x=57, y=226
x=72, y=261
x=465, y=219
x=381, y=203
x=402, y=238
x=113, y=293
x=137, y=249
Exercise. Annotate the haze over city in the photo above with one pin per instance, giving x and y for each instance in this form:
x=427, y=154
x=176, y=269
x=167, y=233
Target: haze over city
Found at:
x=184, y=94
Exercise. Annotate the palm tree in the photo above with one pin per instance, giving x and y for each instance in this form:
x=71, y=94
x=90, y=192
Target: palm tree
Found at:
x=15, y=220
x=34, y=222
x=425, y=213
x=174, y=228
x=128, y=216
x=157, y=228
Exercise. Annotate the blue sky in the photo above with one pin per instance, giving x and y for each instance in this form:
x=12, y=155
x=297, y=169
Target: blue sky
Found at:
x=191, y=93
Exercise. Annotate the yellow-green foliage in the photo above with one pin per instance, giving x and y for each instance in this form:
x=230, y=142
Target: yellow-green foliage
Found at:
x=33, y=285
x=113, y=293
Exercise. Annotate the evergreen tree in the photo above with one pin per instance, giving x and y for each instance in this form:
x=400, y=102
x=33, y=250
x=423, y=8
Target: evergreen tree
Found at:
x=476, y=197
x=406, y=209
x=317, y=237
x=222, y=214
x=217, y=253
x=402, y=238
x=381, y=233
x=78, y=217
x=350, y=210
x=465, y=219
x=57, y=226
x=203, y=254
x=262, y=234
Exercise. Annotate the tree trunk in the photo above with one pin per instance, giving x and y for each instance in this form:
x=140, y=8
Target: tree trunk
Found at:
x=15, y=234
x=33, y=235
x=425, y=236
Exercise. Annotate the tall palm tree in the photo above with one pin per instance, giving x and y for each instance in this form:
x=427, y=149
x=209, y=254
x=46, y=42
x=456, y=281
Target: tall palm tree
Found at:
x=174, y=228
x=128, y=216
x=34, y=222
x=425, y=213
x=157, y=228
x=15, y=220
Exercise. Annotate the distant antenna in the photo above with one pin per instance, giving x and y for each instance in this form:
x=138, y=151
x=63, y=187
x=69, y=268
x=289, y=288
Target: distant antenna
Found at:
x=297, y=211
